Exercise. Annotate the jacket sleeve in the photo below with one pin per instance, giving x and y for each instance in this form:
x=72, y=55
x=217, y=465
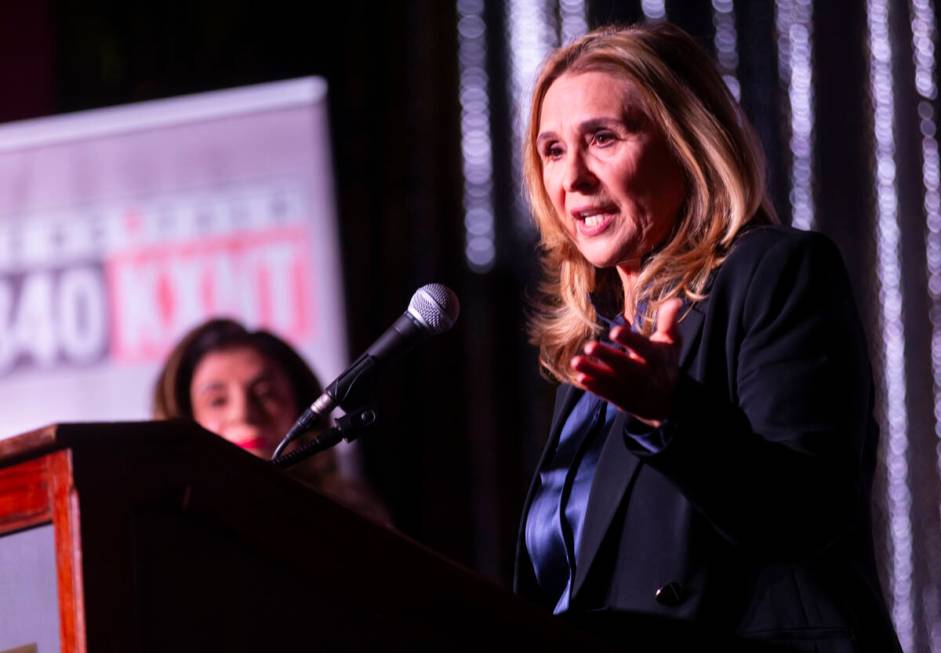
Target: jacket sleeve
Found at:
x=775, y=447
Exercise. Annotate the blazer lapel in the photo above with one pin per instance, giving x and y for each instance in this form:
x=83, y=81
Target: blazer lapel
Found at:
x=565, y=399
x=615, y=470
x=690, y=328
x=617, y=466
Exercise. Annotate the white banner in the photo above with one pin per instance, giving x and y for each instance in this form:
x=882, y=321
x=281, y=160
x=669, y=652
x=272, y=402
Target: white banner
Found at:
x=122, y=228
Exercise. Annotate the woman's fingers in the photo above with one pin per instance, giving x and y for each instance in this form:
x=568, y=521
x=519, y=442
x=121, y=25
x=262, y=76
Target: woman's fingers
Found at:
x=668, y=318
x=592, y=366
x=667, y=331
x=636, y=373
x=601, y=362
x=607, y=389
x=613, y=356
x=636, y=342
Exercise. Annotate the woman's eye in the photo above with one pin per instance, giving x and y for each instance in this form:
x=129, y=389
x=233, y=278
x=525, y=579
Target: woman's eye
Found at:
x=552, y=151
x=217, y=402
x=264, y=392
x=603, y=138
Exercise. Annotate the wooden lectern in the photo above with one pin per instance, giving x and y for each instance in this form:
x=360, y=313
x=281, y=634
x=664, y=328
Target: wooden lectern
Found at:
x=158, y=536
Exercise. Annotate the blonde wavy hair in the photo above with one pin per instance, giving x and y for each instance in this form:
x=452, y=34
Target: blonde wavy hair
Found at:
x=717, y=150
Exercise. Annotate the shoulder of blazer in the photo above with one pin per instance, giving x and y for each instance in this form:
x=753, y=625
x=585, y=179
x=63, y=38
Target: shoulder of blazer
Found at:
x=753, y=243
x=770, y=246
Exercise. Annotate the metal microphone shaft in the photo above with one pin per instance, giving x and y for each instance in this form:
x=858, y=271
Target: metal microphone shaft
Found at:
x=433, y=309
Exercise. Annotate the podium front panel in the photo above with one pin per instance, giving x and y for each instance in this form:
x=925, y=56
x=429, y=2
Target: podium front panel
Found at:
x=29, y=604
x=40, y=576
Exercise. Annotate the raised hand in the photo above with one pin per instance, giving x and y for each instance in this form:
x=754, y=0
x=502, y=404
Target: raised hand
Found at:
x=641, y=377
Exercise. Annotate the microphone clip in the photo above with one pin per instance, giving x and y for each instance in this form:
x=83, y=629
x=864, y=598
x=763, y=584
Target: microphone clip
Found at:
x=349, y=428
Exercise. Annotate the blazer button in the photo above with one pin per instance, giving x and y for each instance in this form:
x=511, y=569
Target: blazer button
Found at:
x=671, y=594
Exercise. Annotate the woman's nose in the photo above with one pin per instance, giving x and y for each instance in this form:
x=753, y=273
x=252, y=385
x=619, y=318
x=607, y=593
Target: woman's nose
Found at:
x=578, y=175
x=244, y=409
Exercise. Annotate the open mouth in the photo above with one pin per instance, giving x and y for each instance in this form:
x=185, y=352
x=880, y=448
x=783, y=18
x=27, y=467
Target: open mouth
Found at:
x=593, y=221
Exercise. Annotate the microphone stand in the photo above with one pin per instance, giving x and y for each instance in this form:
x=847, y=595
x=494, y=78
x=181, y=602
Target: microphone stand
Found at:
x=349, y=427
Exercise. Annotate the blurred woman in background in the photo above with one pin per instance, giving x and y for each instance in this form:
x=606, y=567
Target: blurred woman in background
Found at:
x=249, y=387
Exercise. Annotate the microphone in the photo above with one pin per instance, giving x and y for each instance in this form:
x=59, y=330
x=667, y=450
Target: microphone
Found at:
x=433, y=309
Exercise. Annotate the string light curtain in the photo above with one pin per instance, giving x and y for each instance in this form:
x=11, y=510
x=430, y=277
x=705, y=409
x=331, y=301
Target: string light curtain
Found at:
x=893, y=415
x=476, y=146
x=794, y=24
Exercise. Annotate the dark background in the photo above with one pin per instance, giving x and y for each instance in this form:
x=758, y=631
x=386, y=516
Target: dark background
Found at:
x=464, y=419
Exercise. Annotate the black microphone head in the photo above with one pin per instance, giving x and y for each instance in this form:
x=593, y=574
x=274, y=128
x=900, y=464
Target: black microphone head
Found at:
x=435, y=306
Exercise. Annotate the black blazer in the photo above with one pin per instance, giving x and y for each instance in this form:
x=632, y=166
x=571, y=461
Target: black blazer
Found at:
x=755, y=518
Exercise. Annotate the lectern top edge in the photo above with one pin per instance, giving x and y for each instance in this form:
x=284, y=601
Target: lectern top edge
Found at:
x=64, y=435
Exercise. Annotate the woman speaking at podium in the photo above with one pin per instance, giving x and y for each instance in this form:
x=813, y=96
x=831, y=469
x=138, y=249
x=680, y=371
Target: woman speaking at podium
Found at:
x=712, y=450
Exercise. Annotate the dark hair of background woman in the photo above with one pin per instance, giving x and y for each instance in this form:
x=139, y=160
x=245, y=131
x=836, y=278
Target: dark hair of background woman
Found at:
x=172, y=391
